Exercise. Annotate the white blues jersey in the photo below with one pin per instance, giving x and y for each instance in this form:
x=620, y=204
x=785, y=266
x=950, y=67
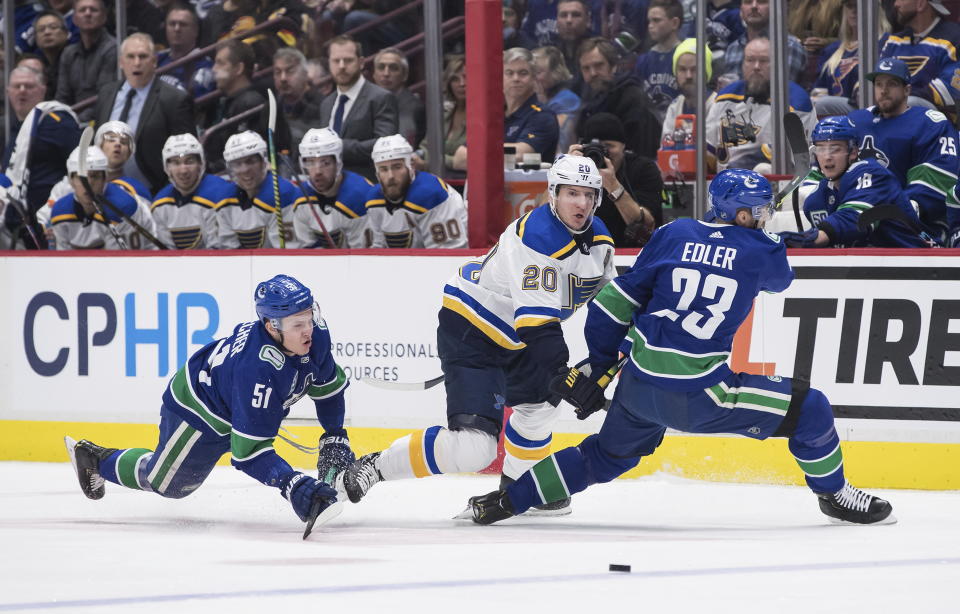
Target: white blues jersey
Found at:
x=432, y=214
x=537, y=274
x=343, y=215
x=74, y=229
x=251, y=223
x=189, y=221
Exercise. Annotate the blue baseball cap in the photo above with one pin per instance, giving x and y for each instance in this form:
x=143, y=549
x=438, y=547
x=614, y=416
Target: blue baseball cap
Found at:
x=893, y=67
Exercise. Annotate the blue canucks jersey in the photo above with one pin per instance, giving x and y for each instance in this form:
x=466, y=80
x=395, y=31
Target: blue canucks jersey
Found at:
x=654, y=69
x=683, y=300
x=244, y=385
x=835, y=207
x=919, y=146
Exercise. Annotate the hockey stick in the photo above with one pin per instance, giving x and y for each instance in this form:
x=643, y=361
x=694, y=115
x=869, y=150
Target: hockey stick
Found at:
x=320, y=518
x=85, y=139
x=22, y=212
x=894, y=213
x=386, y=385
x=271, y=126
x=793, y=129
x=303, y=191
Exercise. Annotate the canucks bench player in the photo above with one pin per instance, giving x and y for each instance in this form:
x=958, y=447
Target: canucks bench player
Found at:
x=847, y=188
x=231, y=396
x=674, y=314
x=500, y=339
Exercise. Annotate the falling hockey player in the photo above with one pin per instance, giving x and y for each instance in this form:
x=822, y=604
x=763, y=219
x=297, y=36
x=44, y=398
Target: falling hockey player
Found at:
x=674, y=314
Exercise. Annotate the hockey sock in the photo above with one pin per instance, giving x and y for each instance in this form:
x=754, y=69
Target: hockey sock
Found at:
x=816, y=446
x=554, y=478
x=437, y=450
x=527, y=437
x=123, y=467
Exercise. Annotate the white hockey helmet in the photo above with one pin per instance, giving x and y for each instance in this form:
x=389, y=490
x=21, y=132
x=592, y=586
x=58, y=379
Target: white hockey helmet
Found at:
x=319, y=142
x=574, y=170
x=116, y=127
x=182, y=145
x=393, y=147
x=96, y=160
x=244, y=144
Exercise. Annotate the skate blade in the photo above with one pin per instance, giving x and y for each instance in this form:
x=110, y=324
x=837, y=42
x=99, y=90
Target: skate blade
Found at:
x=534, y=512
x=71, y=444
x=323, y=518
x=466, y=514
x=891, y=519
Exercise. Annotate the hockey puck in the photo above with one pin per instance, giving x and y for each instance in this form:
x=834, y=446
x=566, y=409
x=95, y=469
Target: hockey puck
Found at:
x=615, y=567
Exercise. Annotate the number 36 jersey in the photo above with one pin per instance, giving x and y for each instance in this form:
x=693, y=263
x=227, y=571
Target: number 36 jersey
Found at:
x=683, y=300
x=536, y=275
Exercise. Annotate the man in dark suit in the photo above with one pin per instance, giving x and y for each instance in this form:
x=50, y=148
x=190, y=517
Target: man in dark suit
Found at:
x=359, y=111
x=153, y=109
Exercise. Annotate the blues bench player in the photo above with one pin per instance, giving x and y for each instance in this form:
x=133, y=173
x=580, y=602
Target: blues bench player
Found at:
x=411, y=209
x=231, y=396
x=848, y=188
x=335, y=197
x=247, y=220
x=674, y=314
x=500, y=340
x=185, y=210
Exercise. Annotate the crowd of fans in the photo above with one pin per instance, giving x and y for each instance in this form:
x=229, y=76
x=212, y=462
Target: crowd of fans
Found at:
x=612, y=79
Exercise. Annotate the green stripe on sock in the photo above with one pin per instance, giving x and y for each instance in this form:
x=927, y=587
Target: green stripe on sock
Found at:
x=172, y=454
x=824, y=466
x=547, y=477
x=127, y=466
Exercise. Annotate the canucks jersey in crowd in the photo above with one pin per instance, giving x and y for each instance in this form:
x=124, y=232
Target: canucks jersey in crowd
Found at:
x=835, y=207
x=73, y=228
x=919, y=146
x=683, y=300
x=431, y=214
x=194, y=77
x=251, y=223
x=189, y=221
x=535, y=276
x=932, y=60
x=342, y=215
x=655, y=71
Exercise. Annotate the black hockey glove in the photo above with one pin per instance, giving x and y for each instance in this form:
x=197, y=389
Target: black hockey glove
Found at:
x=302, y=491
x=800, y=239
x=576, y=387
x=335, y=455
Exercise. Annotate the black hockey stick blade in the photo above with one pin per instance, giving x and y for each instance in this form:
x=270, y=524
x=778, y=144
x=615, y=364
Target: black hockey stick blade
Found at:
x=886, y=212
x=796, y=139
x=379, y=383
x=318, y=518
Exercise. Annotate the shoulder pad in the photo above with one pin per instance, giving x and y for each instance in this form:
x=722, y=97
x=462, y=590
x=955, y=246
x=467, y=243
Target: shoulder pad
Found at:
x=426, y=192
x=542, y=232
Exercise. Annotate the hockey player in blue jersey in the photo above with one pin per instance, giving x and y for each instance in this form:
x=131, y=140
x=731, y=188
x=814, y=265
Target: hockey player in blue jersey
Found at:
x=500, y=339
x=917, y=144
x=231, y=396
x=674, y=315
x=848, y=188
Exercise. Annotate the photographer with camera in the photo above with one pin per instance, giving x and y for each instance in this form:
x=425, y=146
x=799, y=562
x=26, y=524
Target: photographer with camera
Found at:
x=631, y=205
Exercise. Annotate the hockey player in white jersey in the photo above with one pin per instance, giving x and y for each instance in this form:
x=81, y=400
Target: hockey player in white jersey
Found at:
x=80, y=223
x=116, y=140
x=408, y=208
x=500, y=341
x=247, y=219
x=185, y=209
x=335, y=198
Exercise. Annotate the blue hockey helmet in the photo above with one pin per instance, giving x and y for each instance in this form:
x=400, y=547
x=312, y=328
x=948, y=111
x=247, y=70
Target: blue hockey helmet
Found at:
x=739, y=188
x=281, y=296
x=835, y=128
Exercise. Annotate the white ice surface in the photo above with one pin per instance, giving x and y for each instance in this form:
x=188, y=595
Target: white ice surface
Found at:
x=234, y=546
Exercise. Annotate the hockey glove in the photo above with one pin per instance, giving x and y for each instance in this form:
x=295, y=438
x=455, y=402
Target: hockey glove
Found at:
x=577, y=387
x=302, y=491
x=807, y=238
x=954, y=239
x=335, y=455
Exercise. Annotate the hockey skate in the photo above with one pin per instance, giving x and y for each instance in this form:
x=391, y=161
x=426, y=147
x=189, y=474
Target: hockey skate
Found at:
x=491, y=507
x=85, y=457
x=360, y=477
x=850, y=505
x=562, y=507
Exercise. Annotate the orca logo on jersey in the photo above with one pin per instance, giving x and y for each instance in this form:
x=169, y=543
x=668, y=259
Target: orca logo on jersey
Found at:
x=869, y=150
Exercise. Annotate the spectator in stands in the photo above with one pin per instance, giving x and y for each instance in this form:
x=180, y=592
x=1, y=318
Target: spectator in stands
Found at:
x=299, y=102
x=529, y=126
x=454, y=118
x=621, y=95
x=359, y=111
x=154, y=110
x=540, y=22
x=232, y=70
x=319, y=78
x=756, y=17
x=89, y=65
x=724, y=24
x=927, y=45
x=573, y=27
x=52, y=38
x=738, y=125
x=513, y=36
x=65, y=8
x=32, y=61
x=654, y=68
x=685, y=69
x=350, y=14
x=816, y=23
x=34, y=161
x=182, y=27
x=552, y=87
x=631, y=205
x=390, y=71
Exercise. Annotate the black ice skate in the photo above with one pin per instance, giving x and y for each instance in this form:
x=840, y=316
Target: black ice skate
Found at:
x=850, y=505
x=360, y=476
x=85, y=457
x=491, y=507
x=562, y=507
